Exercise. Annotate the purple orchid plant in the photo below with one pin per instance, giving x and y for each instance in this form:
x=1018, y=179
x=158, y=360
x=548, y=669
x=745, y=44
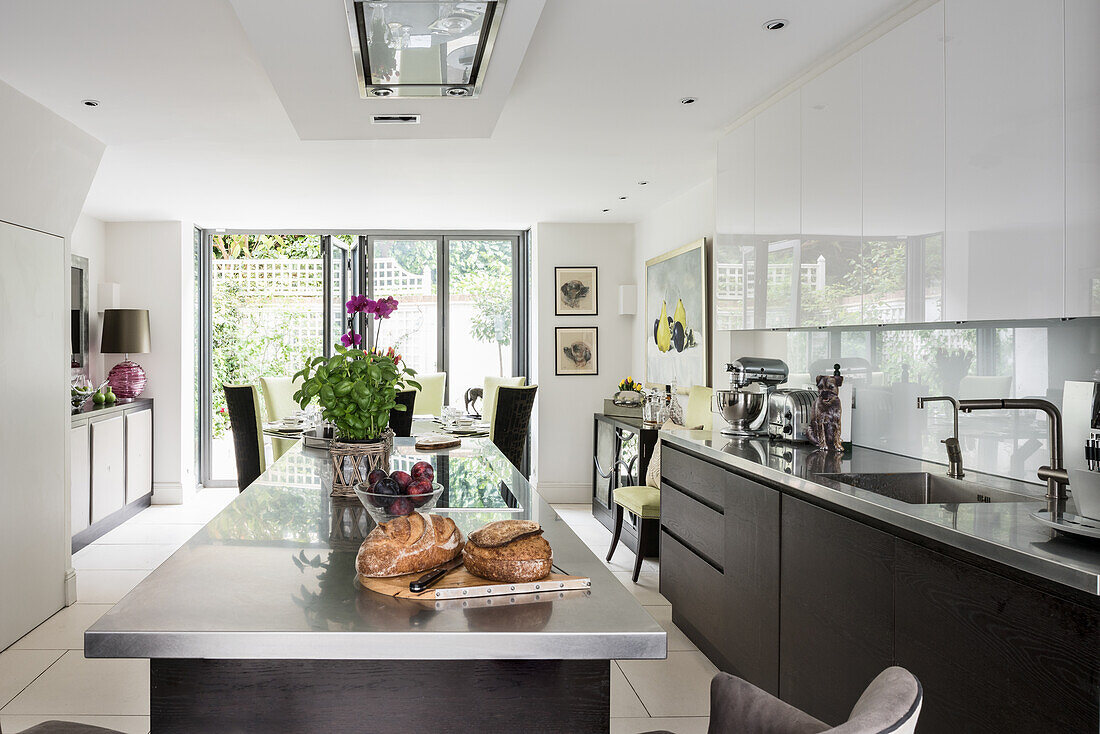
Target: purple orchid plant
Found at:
x=382, y=308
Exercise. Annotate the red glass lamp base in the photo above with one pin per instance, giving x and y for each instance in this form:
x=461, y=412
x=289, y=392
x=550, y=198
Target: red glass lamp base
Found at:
x=127, y=380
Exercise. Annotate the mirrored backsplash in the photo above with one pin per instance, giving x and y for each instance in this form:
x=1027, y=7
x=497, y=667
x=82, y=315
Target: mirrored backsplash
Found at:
x=891, y=366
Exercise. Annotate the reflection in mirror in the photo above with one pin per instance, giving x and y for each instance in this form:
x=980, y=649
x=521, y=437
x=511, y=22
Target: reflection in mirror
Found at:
x=779, y=285
x=78, y=315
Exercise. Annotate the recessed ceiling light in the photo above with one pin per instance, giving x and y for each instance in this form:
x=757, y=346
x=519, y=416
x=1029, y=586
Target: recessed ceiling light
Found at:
x=775, y=24
x=687, y=100
x=90, y=102
x=381, y=92
x=605, y=211
x=622, y=198
x=458, y=92
x=643, y=183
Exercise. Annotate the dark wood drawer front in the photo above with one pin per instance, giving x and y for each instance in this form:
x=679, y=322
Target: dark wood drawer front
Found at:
x=698, y=526
x=696, y=591
x=836, y=597
x=696, y=477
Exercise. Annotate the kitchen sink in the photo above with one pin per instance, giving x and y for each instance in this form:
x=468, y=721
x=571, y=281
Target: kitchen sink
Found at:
x=922, y=488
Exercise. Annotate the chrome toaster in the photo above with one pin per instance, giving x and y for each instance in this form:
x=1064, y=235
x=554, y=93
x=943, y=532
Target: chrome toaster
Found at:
x=789, y=411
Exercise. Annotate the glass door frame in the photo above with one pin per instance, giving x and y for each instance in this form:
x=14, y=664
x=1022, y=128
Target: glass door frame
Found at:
x=360, y=262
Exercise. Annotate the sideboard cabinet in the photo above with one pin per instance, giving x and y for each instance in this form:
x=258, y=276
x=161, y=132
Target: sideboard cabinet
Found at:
x=111, y=467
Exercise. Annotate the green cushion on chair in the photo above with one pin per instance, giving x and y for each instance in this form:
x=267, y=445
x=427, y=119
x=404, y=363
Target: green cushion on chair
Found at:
x=645, y=502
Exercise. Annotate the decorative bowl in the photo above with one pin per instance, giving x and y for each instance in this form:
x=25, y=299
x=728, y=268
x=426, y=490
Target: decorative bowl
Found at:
x=627, y=398
x=385, y=507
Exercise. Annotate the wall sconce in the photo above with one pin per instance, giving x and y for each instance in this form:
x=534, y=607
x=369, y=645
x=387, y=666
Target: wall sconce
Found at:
x=628, y=300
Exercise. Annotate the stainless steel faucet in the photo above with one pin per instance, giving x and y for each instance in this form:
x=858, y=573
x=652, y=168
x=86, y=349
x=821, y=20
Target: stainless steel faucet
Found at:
x=1055, y=474
x=954, y=450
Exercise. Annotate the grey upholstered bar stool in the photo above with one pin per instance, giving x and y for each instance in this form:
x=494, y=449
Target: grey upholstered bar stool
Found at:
x=890, y=704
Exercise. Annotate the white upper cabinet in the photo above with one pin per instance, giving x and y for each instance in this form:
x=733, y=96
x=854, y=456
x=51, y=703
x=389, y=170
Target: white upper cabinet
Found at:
x=829, y=253
x=1082, y=158
x=734, y=252
x=1005, y=159
x=903, y=169
x=778, y=168
x=736, y=181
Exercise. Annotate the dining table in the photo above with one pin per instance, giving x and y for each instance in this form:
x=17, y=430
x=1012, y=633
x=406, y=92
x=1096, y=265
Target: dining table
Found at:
x=258, y=622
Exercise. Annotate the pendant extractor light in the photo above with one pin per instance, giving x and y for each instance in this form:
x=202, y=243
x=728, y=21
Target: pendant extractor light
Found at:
x=422, y=48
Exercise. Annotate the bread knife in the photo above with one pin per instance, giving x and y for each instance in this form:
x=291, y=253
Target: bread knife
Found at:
x=425, y=582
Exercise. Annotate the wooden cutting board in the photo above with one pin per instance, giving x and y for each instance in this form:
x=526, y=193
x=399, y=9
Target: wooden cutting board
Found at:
x=461, y=584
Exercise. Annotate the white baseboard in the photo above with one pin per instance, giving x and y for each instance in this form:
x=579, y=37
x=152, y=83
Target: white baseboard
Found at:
x=168, y=493
x=70, y=587
x=565, y=492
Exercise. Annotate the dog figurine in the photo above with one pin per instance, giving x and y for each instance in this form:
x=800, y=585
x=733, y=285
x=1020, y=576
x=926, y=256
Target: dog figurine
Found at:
x=471, y=397
x=824, y=427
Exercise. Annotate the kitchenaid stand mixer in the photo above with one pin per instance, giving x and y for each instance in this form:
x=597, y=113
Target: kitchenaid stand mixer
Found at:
x=744, y=406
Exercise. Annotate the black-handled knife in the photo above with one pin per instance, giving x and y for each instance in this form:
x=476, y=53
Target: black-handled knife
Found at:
x=425, y=582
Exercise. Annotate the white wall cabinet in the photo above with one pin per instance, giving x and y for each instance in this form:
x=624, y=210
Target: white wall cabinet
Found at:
x=734, y=252
x=960, y=150
x=1082, y=158
x=139, y=454
x=80, y=478
x=829, y=249
x=902, y=151
x=111, y=467
x=1005, y=159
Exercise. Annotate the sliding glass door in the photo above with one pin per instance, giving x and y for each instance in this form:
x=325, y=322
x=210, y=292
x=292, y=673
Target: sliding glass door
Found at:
x=272, y=300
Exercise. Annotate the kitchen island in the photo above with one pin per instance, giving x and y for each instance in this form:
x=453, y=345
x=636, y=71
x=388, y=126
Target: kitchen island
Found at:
x=258, y=624
x=786, y=574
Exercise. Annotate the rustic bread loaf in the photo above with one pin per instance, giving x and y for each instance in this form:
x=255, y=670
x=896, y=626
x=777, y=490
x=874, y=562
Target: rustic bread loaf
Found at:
x=512, y=551
x=409, y=544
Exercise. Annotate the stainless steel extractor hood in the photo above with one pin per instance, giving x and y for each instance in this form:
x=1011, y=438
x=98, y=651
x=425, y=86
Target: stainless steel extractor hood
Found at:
x=414, y=48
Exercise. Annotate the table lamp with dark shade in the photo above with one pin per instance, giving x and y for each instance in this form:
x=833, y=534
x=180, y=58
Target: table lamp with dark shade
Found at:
x=126, y=331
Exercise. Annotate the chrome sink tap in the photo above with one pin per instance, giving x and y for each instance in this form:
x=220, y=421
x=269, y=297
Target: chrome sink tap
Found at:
x=1055, y=474
x=954, y=450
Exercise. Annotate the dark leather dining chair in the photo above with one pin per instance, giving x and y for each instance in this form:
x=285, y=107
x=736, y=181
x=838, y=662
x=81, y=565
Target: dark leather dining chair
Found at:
x=512, y=423
x=243, y=402
x=401, y=421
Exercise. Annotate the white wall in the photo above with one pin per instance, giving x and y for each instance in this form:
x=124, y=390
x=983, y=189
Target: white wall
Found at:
x=48, y=165
x=675, y=223
x=90, y=240
x=153, y=264
x=563, y=419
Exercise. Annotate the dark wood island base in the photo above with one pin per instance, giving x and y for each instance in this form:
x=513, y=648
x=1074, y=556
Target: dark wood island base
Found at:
x=291, y=696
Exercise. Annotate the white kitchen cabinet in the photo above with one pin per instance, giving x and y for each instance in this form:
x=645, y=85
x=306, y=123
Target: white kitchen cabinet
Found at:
x=1005, y=245
x=1082, y=158
x=778, y=200
x=139, y=454
x=829, y=255
x=903, y=148
x=80, y=478
x=108, y=466
x=734, y=249
x=778, y=205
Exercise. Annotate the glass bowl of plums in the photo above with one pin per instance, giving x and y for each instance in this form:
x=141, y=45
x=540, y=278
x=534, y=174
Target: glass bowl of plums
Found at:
x=399, y=493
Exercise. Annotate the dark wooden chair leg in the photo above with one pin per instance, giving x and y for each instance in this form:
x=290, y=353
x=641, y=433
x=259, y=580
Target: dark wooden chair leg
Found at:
x=618, y=530
x=644, y=528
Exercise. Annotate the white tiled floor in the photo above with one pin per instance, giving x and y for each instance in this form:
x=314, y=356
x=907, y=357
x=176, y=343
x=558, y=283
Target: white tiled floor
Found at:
x=45, y=675
x=648, y=695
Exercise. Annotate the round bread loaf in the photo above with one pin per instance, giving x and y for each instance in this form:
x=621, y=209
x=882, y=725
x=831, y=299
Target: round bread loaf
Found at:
x=527, y=557
x=409, y=544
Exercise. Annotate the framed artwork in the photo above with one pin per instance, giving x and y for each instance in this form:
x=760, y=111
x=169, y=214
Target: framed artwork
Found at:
x=677, y=314
x=577, y=350
x=575, y=291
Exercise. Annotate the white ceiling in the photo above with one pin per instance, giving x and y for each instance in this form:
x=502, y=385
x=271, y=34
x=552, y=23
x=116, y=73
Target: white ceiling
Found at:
x=195, y=109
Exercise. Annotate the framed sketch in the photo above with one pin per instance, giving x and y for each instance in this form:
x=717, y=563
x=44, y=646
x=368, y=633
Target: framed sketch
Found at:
x=677, y=315
x=575, y=291
x=577, y=350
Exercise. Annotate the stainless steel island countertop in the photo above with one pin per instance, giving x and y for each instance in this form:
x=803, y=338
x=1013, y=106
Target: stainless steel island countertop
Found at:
x=1003, y=532
x=272, y=577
